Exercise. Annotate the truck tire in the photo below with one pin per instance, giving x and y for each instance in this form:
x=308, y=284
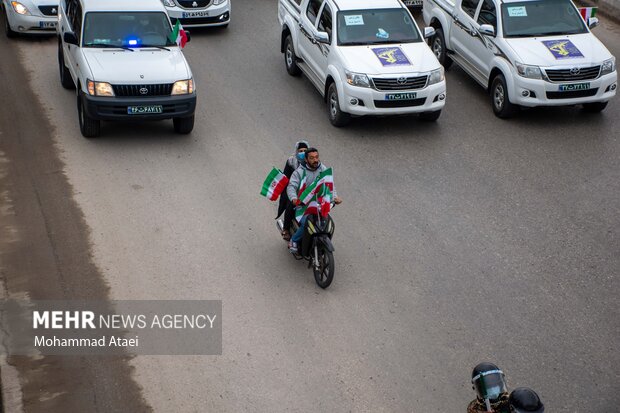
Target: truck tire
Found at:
x=89, y=127
x=430, y=116
x=183, y=126
x=65, y=76
x=289, y=57
x=7, y=27
x=438, y=46
x=594, y=107
x=337, y=117
x=500, y=100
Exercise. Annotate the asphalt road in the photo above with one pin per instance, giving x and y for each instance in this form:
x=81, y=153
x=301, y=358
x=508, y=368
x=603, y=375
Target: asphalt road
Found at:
x=466, y=240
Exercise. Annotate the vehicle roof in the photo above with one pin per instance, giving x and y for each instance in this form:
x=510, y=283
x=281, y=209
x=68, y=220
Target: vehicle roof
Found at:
x=122, y=5
x=367, y=4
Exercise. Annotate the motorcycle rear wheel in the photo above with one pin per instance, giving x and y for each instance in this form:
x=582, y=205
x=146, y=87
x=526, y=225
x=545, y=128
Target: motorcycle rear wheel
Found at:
x=324, y=275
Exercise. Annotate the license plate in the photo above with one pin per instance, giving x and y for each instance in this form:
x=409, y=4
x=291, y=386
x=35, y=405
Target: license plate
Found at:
x=412, y=2
x=400, y=96
x=144, y=110
x=47, y=25
x=575, y=86
x=190, y=14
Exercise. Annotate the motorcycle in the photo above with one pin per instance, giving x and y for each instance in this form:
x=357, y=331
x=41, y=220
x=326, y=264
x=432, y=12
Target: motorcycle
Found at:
x=316, y=246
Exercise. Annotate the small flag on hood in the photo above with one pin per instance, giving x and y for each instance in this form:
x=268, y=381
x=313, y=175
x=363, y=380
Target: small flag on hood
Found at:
x=178, y=35
x=274, y=184
x=587, y=13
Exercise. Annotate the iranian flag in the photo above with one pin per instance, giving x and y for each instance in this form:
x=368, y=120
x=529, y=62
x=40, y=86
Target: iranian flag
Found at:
x=274, y=184
x=587, y=13
x=317, y=196
x=178, y=35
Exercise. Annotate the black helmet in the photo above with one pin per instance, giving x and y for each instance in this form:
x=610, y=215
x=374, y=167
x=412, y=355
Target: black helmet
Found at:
x=524, y=400
x=488, y=381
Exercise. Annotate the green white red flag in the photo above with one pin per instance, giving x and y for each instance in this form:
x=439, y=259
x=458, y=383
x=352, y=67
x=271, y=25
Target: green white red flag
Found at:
x=317, y=196
x=587, y=12
x=178, y=35
x=274, y=184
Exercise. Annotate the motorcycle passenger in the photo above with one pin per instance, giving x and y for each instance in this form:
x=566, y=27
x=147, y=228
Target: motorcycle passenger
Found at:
x=285, y=205
x=303, y=176
x=491, y=393
x=524, y=400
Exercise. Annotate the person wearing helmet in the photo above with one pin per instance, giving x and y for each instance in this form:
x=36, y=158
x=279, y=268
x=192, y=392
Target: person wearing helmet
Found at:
x=525, y=400
x=285, y=206
x=491, y=393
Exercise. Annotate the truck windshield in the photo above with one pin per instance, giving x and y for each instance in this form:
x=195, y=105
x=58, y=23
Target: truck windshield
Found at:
x=378, y=26
x=541, y=18
x=126, y=29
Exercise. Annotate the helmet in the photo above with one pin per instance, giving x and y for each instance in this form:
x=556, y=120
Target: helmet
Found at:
x=524, y=400
x=488, y=381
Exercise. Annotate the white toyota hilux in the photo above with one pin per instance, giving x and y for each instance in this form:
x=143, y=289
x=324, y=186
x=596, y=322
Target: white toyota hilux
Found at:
x=526, y=53
x=365, y=58
x=125, y=63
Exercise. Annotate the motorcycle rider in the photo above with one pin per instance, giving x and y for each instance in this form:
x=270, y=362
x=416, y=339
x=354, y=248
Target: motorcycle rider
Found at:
x=285, y=205
x=490, y=386
x=304, y=175
x=525, y=400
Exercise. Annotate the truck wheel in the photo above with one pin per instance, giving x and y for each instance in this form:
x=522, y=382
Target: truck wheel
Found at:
x=430, y=116
x=89, y=127
x=289, y=57
x=500, y=100
x=438, y=46
x=337, y=117
x=7, y=27
x=65, y=76
x=183, y=126
x=594, y=107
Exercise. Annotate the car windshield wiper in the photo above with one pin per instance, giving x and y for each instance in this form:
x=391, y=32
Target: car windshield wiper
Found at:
x=108, y=46
x=355, y=44
x=154, y=45
x=558, y=33
x=393, y=41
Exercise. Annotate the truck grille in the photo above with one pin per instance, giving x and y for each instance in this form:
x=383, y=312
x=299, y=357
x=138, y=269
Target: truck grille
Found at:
x=569, y=75
x=401, y=83
x=572, y=94
x=49, y=10
x=189, y=4
x=143, y=90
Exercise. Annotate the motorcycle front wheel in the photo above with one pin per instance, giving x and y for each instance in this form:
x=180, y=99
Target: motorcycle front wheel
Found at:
x=324, y=271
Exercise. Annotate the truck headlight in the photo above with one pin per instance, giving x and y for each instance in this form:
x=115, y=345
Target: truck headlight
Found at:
x=20, y=8
x=608, y=66
x=531, y=72
x=100, y=88
x=168, y=3
x=357, y=79
x=218, y=2
x=183, y=87
x=436, y=76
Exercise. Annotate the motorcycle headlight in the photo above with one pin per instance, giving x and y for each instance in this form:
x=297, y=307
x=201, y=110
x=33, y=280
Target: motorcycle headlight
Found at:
x=168, y=3
x=436, y=76
x=100, y=88
x=531, y=72
x=357, y=79
x=608, y=66
x=183, y=87
x=20, y=8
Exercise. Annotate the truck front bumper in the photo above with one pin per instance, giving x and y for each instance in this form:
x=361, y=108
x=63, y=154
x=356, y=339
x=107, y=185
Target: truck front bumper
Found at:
x=537, y=92
x=116, y=108
x=362, y=101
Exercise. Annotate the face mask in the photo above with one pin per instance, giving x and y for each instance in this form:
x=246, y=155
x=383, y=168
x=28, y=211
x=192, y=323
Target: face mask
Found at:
x=301, y=156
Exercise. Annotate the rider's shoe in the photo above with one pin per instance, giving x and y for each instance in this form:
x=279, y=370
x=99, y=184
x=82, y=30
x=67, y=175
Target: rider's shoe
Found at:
x=292, y=247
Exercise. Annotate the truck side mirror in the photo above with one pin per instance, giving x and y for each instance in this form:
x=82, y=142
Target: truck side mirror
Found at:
x=322, y=37
x=70, y=38
x=429, y=32
x=487, y=29
x=592, y=22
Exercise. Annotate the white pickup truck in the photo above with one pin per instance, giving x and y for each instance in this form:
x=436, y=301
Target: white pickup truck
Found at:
x=526, y=53
x=365, y=59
